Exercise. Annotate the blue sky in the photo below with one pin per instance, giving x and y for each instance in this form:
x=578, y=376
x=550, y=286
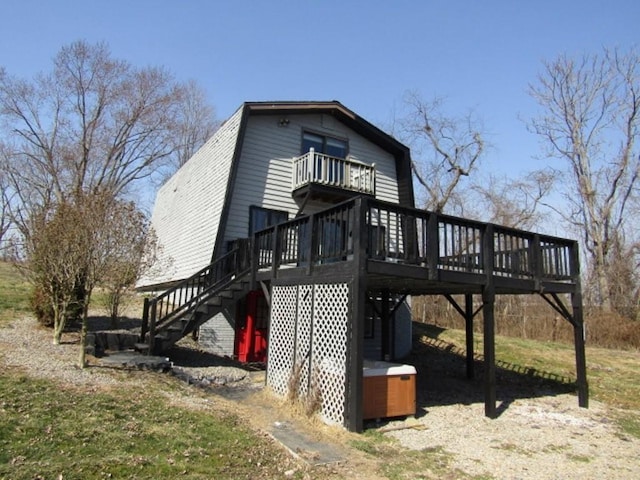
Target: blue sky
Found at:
x=479, y=55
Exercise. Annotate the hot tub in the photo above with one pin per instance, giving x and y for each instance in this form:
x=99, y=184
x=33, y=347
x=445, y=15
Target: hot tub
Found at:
x=388, y=390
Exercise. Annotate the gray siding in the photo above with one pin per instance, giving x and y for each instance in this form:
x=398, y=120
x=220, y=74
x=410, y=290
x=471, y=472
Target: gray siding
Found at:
x=403, y=335
x=218, y=335
x=265, y=168
x=404, y=330
x=188, y=207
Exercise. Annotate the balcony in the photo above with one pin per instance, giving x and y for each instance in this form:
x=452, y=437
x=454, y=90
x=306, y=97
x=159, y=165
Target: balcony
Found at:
x=319, y=176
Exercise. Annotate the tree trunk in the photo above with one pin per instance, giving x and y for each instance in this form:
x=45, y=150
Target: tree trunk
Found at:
x=82, y=359
x=602, y=279
x=59, y=321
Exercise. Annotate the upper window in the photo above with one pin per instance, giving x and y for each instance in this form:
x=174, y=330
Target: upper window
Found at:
x=333, y=147
x=261, y=218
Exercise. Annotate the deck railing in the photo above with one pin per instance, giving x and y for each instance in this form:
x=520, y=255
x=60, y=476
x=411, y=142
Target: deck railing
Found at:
x=181, y=297
x=318, y=168
x=415, y=237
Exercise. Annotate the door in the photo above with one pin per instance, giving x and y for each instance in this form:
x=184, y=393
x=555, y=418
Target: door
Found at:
x=253, y=325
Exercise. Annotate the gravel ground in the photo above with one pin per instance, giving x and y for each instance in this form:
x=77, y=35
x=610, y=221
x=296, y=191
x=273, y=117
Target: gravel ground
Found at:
x=541, y=432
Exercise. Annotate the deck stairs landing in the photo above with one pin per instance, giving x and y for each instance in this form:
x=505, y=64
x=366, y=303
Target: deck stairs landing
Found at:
x=182, y=309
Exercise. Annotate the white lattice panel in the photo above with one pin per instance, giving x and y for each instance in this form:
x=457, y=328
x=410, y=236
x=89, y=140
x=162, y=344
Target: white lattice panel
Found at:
x=281, y=337
x=303, y=336
x=309, y=323
x=329, y=347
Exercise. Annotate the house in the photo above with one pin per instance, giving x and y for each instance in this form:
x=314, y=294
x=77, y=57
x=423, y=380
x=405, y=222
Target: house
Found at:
x=256, y=171
x=292, y=236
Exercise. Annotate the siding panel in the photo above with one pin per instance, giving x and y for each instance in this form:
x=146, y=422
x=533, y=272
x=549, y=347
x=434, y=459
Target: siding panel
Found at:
x=188, y=207
x=264, y=173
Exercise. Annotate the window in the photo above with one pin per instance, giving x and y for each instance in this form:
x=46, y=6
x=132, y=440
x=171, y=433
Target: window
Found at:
x=326, y=169
x=333, y=147
x=261, y=218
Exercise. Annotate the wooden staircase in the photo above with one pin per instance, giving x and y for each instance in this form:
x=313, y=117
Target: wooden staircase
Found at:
x=180, y=310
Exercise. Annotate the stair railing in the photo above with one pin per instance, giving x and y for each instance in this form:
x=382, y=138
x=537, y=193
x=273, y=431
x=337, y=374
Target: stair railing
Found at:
x=187, y=294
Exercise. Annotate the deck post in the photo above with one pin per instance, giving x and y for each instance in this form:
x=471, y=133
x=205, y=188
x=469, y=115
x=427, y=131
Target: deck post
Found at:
x=468, y=321
x=152, y=328
x=432, y=248
x=488, y=303
x=276, y=252
x=144, y=328
x=312, y=242
x=579, y=332
x=384, y=320
x=581, y=361
x=353, y=407
x=255, y=261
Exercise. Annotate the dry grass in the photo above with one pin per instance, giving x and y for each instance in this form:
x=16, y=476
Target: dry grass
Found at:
x=530, y=317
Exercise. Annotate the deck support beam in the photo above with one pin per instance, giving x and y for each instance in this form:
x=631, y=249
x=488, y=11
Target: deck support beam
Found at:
x=468, y=314
x=354, y=398
x=384, y=319
x=579, y=341
x=468, y=326
x=488, y=302
x=489, y=330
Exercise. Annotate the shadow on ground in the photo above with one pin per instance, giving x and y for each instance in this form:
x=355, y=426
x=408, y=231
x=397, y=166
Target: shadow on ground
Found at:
x=187, y=353
x=442, y=376
x=441, y=369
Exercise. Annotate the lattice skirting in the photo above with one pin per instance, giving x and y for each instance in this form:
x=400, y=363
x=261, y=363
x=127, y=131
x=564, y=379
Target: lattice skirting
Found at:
x=308, y=340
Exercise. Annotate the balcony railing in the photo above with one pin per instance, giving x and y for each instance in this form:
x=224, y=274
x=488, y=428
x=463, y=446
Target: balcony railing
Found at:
x=318, y=168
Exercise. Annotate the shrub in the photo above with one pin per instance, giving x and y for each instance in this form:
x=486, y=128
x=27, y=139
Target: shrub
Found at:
x=41, y=307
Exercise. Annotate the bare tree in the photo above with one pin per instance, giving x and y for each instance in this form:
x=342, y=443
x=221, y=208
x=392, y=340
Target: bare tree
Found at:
x=93, y=126
x=196, y=123
x=5, y=197
x=129, y=250
x=514, y=202
x=448, y=148
x=116, y=234
x=56, y=251
x=96, y=123
x=589, y=120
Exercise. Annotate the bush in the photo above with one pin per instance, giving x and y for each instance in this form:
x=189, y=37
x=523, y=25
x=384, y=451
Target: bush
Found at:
x=611, y=330
x=41, y=307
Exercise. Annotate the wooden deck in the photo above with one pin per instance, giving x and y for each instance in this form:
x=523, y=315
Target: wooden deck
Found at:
x=386, y=250
x=392, y=250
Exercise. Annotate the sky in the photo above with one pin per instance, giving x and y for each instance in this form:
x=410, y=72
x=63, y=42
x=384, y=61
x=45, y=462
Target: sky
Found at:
x=478, y=55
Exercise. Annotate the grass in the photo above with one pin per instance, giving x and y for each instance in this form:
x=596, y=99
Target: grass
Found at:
x=15, y=292
x=49, y=432
x=397, y=463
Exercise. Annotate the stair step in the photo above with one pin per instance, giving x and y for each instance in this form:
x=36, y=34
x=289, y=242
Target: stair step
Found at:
x=141, y=347
x=193, y=313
